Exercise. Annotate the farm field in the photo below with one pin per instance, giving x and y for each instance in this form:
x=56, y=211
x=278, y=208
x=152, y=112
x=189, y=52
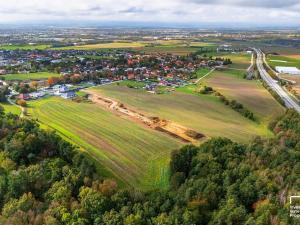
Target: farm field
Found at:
x=30, y=76
x=24, y=47
x=203, y=113
x=251, y=94
x=239, y=61
x=177, y=50
x=105, y=46
x=161, y=46
x=135, y=155
x=279, y=60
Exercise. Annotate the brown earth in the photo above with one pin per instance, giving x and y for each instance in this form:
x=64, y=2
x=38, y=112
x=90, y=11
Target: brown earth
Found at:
x=169, y=127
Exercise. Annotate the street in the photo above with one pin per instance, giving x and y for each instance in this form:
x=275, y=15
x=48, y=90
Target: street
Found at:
x=288, y=100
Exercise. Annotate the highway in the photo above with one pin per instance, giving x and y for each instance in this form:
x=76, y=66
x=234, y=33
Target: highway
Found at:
x=288, y=100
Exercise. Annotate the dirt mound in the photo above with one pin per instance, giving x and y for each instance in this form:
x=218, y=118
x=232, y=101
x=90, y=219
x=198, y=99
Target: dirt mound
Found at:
x=169, y=127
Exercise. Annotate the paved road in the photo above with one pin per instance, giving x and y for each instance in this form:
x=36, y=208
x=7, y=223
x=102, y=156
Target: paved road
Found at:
x=288, y=100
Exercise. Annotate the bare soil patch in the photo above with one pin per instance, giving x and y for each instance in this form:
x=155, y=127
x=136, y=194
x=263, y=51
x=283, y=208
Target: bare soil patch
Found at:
x=166, y=126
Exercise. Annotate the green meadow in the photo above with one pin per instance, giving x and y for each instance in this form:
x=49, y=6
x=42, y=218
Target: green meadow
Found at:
x=30, y=76
x=135, y=155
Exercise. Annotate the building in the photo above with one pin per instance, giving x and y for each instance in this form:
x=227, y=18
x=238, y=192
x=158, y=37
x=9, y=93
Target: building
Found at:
x=67, y=95
x=288, y=70
x=24, y=96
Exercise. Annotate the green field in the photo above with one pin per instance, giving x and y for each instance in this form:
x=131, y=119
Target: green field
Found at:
x=25, y=47
x=111, y=45
x=203, y=113
x=30, y=76
x=278, y=60
x=134, y=154
x=177, y=50
x=9, y=108
x=250, y=93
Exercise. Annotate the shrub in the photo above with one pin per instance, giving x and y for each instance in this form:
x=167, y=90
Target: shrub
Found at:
x=22, y=102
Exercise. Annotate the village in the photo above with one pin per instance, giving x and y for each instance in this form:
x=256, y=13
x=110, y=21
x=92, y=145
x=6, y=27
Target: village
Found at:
x=76, y=69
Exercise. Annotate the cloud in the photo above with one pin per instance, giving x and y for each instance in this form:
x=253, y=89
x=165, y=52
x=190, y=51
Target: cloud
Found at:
x=253, y=3
x=171, y=11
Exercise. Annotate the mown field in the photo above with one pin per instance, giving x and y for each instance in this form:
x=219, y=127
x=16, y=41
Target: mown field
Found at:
x=134, y=154
x=203, y=113
x=30, y=76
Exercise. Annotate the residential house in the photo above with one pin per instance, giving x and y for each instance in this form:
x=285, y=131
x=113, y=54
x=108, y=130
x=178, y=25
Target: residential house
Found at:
x=24, y=96
x=68, y=94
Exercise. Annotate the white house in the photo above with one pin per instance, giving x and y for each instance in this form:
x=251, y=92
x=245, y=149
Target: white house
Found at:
x=67, y=95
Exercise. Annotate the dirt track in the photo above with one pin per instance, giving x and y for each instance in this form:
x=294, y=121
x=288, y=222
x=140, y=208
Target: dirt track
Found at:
x=171, y=128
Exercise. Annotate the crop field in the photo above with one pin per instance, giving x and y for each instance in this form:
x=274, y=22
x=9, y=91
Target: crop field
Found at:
x=274, y=60
x=161, y=46
x=203, y=113
x=135, y=155
x=177, y=50
x=30, y=76
x=105, y=46
x=250, y=93
x=281, y=50
x=9, y=108
x=24, y=47
x=239, y=60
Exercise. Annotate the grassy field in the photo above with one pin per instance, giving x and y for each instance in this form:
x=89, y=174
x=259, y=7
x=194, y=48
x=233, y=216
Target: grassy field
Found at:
x=105, y=46
x=239, y=61
x=24, y=47
x=250, y=93
x=203, y=113
x=177, y=50
x=231, y=83
x=134, y=154
x=279, y=60
x=160, y=46
x=8, y=108
x=30, y=76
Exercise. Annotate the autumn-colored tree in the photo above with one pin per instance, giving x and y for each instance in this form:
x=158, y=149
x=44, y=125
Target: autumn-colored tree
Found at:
x=52, y=81
x=22, y=102
x=33, y=84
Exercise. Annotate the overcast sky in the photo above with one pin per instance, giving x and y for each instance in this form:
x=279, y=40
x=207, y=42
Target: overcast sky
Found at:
x=273, y=12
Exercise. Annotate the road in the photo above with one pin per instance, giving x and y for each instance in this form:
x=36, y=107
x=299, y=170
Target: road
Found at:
x=197, y=81
x=288, y=100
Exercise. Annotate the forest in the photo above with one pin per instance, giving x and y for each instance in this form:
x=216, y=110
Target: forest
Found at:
x=46, y=180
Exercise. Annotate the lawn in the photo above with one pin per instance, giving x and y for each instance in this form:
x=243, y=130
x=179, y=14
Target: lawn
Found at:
x=203, y=113
x=135, y=155
x=9, y=108
x=279, y=60
x=30, y=76
x=25, y=47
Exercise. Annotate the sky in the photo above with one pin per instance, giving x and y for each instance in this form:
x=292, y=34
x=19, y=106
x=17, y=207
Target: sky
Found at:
x=255, y=12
